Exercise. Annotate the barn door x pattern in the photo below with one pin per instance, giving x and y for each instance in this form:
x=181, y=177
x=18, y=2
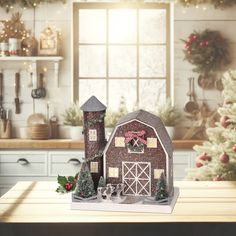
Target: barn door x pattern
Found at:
x=137, y=178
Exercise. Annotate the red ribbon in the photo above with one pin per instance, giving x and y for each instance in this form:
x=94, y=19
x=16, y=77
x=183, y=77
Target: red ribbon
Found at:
x=139, y=135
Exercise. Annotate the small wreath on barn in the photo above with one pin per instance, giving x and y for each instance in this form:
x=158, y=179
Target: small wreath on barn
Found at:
x=135, y=141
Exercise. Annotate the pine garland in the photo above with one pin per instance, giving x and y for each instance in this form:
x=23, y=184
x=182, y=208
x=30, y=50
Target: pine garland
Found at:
x=7, y=4
x=222, y=4
x=207, y=50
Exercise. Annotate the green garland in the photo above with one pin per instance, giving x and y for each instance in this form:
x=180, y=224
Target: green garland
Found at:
x=207, y=50
x=90, y=122
x=222, y=4
x=7, y=4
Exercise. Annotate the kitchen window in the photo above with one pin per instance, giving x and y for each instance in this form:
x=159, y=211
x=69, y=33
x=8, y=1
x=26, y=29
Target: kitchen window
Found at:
x=122, y=50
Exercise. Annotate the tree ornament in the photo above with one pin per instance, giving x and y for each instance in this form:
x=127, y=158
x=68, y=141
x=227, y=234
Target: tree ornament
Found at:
x=199, y=164
x=234, y=148
x=223, y=121
x=224, y=158
x=217, y=178
x=203, y=157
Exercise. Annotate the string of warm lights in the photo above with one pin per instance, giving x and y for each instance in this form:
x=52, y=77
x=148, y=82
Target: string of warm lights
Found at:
x=9, y=4
x=222, y=4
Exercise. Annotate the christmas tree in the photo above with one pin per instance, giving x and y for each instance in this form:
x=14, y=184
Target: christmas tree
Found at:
x=161, y=192
x=101, y=182
x=85, y=185
x=217, y=157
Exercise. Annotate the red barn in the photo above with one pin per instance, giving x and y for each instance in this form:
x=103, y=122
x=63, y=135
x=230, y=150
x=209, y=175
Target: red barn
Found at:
x=138, y=151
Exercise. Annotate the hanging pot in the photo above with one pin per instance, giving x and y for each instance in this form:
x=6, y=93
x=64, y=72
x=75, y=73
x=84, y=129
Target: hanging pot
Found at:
x=39, y=92
x=206, y=81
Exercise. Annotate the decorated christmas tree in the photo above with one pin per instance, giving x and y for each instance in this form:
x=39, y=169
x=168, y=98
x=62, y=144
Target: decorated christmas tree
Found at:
x=161, y=192
x=217, y=157
x=85, y=185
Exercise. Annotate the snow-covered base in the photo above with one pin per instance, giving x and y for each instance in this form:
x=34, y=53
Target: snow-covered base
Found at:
x=129, y=204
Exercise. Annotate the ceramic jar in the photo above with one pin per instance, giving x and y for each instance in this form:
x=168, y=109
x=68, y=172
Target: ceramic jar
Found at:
x=14, y=46
x=4, y=49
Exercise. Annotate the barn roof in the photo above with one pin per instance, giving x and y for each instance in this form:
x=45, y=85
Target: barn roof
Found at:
x=153, y=121
x=93, y=104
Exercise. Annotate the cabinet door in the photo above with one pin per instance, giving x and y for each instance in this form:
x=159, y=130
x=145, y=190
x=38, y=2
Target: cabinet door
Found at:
x=182, y=161
x=23, y=163
x=65, y=163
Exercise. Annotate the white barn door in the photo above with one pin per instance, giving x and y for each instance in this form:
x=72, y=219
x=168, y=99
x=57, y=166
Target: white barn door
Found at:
x=137, y=178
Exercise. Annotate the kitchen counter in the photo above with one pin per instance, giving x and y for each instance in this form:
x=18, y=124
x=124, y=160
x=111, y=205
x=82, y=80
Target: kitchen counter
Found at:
x=71, y=144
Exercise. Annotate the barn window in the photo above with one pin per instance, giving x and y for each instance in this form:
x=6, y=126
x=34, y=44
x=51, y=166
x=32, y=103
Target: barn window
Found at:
x=113, y=172
x=94, y=167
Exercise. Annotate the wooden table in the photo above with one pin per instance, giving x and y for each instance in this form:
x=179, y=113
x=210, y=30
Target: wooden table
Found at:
x=201, y=205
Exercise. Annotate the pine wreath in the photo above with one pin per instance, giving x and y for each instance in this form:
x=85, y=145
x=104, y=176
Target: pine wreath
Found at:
x=222, y=4
x=207, y=50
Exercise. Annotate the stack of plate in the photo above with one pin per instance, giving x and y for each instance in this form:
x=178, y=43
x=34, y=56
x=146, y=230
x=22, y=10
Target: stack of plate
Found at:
x=39, y=131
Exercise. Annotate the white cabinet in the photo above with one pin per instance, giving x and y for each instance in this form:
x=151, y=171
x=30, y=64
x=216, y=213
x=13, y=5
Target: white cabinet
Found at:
x=23, y=163
x=64, y=163
x=36, y=166
x=182, y=161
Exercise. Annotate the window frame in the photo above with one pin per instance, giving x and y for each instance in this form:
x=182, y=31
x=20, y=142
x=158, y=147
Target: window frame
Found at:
x=117, y=5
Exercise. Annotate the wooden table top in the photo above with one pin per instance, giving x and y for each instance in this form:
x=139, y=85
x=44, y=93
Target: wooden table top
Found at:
x=38, y=202
x=12, y=144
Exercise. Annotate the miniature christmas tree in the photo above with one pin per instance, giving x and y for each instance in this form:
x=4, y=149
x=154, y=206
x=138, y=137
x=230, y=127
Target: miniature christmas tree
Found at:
x=13, y=28
x=85, y=185
x=161, y=192
x=101, y=182
x=217, y=157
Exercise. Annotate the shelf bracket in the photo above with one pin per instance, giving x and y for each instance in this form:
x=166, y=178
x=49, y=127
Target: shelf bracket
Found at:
x=34, y=71
x=56, y=72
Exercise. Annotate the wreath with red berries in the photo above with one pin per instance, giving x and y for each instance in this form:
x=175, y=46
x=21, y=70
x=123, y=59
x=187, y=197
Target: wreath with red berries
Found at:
x=207, y=50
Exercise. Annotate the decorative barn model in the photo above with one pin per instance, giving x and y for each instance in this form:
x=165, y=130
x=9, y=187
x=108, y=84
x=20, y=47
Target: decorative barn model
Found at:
x=137, y=161
x=138, y=152
x=94, y=136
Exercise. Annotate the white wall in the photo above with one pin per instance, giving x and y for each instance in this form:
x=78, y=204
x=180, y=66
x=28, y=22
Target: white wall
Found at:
x=59, y=15
x=186, y=20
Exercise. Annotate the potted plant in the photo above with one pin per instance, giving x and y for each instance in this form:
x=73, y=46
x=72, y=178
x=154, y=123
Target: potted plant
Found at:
x=73, y=117
x=169, y=115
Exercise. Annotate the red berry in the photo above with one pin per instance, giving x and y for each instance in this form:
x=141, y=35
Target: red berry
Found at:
x=68, y=186
x=224, y=158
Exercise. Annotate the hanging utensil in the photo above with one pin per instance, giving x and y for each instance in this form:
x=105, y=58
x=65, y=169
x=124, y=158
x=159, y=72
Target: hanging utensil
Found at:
x=40, y=92
x=30, y=83
x=191, y=106
x=2, y=111
x=17, y=92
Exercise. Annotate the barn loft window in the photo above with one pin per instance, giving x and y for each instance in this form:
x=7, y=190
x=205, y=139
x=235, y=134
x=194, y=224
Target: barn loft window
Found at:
x=122, y=51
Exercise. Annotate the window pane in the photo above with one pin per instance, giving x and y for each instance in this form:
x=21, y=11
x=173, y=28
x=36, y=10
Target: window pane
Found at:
x=125, y=88
x=152, y=26
x=152, y=93
x=122, y=61
x=90, y=87
x=92, y=61
x=122, y=26
x=152, y=61
x=92, y=26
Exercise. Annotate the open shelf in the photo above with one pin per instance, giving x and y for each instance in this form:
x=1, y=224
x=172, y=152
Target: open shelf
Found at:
x=34, y=60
